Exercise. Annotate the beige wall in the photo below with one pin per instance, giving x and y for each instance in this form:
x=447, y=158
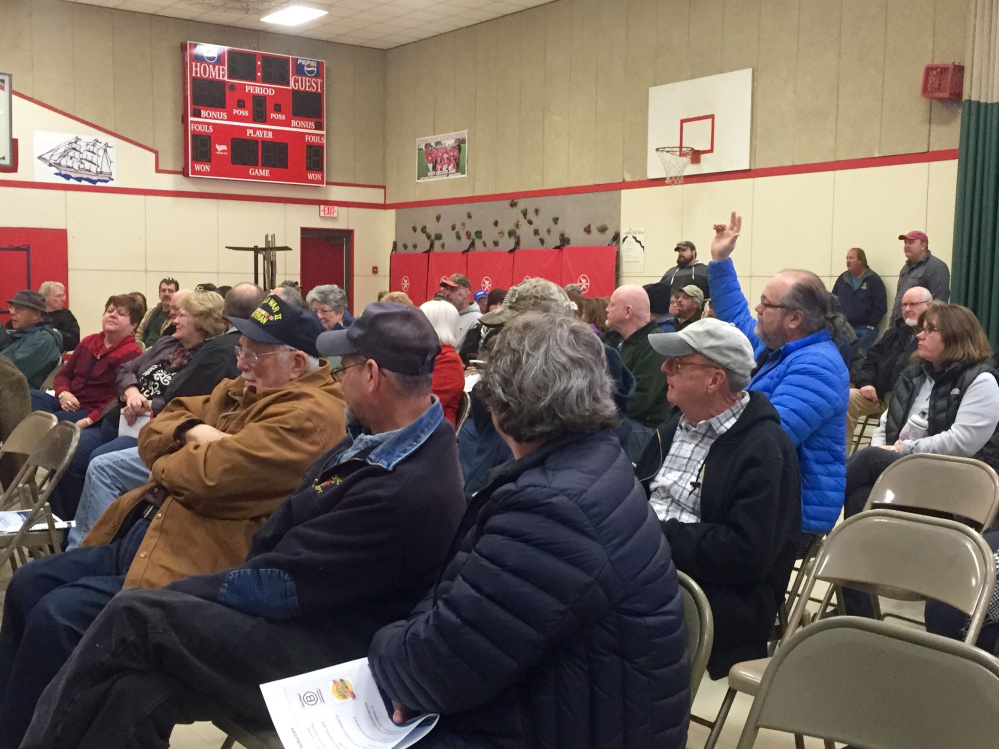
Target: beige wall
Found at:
x=800, y=221
x=152, y=225
x=558, y=95
x=122, y=71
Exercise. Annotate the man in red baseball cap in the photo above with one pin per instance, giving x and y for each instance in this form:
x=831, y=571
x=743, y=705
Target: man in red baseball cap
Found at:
x=921, y=268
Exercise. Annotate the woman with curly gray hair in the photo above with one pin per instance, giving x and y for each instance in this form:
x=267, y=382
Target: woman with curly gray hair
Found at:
x=562, y=584
x=329, y=302
x=548, y=380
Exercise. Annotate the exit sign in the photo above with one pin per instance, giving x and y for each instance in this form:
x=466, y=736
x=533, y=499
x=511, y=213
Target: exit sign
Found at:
x=329, y=211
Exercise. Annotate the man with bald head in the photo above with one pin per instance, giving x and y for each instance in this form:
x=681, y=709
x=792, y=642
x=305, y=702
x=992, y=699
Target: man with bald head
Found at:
x=874, y=377
x=630, y=321
x=798, y=367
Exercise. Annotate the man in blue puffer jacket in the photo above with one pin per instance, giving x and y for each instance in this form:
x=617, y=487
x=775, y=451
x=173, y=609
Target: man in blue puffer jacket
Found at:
x=798, y=367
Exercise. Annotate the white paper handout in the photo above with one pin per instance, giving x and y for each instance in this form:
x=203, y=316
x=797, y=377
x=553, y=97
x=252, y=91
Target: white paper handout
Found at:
x=339, y=707
x=12, y=520
x=126, y=430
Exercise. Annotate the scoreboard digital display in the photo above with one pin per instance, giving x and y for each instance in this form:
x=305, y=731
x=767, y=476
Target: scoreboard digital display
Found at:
x=253, y=115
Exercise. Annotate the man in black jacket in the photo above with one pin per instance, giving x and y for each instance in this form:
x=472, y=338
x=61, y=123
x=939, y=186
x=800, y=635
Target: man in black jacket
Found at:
x=355, y=547
x=874, y=376
x=723, y=479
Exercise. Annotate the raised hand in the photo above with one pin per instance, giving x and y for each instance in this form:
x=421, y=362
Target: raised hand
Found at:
x=725, y=237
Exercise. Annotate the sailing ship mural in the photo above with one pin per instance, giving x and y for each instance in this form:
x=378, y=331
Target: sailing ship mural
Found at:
x=74, y=158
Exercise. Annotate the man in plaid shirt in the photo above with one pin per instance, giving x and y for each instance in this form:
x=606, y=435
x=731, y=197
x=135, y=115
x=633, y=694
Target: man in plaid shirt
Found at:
x=723, y=479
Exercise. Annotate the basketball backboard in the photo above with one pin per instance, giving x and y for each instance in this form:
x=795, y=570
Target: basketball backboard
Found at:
x=712, y=114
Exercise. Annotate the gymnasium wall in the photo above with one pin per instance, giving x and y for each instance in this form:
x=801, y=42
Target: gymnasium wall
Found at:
x=557, y=95
x=806, y=220
x=122, y=71
x=150, y=223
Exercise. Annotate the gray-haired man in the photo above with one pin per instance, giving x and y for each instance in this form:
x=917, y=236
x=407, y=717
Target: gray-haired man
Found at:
x=723, y=479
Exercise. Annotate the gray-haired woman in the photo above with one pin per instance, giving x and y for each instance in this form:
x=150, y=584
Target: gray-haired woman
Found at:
x=329, y=302
x=563, y=582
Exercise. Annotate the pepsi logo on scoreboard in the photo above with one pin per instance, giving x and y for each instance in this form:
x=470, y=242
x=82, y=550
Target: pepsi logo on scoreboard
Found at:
x=253, y=115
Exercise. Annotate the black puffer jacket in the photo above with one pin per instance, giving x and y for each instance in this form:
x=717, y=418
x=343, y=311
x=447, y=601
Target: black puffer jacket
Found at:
x=558, y=621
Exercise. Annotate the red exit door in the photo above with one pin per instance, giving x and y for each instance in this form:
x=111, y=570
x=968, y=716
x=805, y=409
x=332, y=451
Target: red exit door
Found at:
x=327, y=257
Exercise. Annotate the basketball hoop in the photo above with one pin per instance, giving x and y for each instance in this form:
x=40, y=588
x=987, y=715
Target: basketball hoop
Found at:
x=675, y=159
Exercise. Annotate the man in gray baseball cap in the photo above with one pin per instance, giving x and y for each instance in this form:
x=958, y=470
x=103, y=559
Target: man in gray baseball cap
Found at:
x=723, y=480
x=33, y=345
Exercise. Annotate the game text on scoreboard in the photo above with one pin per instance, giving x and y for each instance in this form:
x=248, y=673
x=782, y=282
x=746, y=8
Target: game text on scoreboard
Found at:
x=253, y=115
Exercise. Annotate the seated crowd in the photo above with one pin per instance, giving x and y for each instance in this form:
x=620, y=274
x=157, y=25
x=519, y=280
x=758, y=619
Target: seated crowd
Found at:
x=265, y=485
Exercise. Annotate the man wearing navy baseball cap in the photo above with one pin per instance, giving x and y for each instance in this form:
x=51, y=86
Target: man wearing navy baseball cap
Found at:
x=219, y=465
x=353, y=549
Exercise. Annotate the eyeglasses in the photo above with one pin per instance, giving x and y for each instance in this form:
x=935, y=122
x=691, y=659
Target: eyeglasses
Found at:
x=914, y=304
x=677, y=365
x=770, y=305
x=338, y=372
x=251, y=358
x=929, y=328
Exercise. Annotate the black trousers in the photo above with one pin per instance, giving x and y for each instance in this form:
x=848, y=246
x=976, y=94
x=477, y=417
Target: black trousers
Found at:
x=863, y=468
x=153, y=659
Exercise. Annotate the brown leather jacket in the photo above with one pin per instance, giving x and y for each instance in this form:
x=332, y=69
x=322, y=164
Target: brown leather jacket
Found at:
x=219, y=494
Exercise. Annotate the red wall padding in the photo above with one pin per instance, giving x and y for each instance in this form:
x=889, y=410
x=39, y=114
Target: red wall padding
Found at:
x=490, y=270
x=440, y=266
x=408, y=273
x=590, y=267
x=537, y=264
x=48, y=261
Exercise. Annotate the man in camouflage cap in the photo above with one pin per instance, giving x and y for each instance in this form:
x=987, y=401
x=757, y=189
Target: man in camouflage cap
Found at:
x=479, y=445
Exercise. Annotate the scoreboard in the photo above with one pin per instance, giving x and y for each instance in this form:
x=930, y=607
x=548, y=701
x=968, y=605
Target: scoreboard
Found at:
x=253, y=115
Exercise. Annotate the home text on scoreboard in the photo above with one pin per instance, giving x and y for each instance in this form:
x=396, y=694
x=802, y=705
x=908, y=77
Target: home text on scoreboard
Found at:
x=253, y=115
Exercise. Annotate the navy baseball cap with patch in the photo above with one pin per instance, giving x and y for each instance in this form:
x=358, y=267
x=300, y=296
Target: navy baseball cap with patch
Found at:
x=281, y=323
x=398, y=337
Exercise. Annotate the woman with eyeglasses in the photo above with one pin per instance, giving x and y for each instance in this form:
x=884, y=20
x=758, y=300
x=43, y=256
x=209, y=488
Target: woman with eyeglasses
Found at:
x=143, y=388
x=945, y=402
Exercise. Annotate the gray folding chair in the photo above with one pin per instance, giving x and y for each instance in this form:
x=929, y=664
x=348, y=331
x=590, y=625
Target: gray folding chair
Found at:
x=700, y=626
x=894, y=554
x=941, y=485
x=878, y=686
x=862, y=436
x=464, y=409
x=26, y=436
x=32, y=486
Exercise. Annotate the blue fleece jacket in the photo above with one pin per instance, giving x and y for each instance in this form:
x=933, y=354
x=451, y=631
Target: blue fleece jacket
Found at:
x=809, y=385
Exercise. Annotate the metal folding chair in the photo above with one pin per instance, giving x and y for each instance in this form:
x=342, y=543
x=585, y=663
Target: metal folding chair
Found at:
x=894, y=554
x=940, y=485
x=700, y=626
x=876, y=685
x=31, y=488
x=464, y=409
x=26, y=436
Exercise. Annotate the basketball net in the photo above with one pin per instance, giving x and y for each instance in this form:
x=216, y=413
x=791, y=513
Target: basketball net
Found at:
x=675, y=160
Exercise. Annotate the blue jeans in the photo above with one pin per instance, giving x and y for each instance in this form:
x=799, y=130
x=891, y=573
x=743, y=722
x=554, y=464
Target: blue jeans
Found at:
x=66, y=496
x=42, y=401
x=50, y=604
x=111, y=474
x=866, y=336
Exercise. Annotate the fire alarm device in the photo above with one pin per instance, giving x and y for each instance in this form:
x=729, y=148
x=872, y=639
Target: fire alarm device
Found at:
x=374, y=270
x=943, y=82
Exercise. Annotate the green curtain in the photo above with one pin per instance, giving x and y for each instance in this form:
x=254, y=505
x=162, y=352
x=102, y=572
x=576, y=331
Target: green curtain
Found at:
x=975, y=264
x=975, y=281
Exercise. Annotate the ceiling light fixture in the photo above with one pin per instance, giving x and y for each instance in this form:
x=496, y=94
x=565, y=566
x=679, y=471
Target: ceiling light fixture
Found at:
x=294, y=15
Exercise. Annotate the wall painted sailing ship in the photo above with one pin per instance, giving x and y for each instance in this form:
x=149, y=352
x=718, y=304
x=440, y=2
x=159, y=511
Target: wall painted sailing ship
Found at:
x=81, y=160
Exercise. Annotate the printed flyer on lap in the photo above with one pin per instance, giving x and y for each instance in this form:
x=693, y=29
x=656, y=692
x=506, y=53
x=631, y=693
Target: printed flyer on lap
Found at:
x=339, y=707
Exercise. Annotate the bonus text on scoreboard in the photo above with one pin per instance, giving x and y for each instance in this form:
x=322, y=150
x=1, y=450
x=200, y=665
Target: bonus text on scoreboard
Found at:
x=253, y=115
